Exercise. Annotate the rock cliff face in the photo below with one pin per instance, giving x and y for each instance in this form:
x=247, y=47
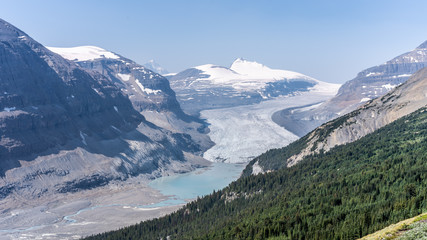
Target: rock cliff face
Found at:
x=368, y=84
x=146, y=89
x=149, y=92
x=64, y=129
x=47, y=101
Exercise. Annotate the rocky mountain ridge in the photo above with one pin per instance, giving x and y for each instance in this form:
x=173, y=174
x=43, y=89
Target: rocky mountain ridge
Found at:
x=401, y=101
x=375, y=114
x=148, y=91
x=65, y=129
x=377, y=81
x=369, y=84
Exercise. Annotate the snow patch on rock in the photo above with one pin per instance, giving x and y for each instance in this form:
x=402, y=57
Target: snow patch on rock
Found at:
x=257, y=169
x=146, y=90
x=389, y=86
x=82, y=136
x=124, y=77
x=9, y=109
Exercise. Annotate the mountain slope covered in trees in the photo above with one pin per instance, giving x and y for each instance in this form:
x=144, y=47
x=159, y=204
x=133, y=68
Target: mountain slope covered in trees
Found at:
x=403, y=100
x=346, y=193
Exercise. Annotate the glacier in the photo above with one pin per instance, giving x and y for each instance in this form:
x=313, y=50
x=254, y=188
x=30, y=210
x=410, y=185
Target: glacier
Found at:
x=240, y=133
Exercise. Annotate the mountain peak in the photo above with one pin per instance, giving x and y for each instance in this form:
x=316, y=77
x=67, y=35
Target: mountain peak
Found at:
x=241, y=60
x=9, y=32
x=242, y=65
x=423, y=45
x=154, y=66
x=250, y=68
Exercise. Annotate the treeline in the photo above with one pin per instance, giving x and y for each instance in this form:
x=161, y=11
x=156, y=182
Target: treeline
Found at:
x=349, y=192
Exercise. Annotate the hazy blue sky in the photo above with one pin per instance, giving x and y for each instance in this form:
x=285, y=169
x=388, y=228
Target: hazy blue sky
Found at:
x=329, y=40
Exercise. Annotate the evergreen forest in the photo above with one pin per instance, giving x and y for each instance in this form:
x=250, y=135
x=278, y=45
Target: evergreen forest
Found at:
x=346, y=193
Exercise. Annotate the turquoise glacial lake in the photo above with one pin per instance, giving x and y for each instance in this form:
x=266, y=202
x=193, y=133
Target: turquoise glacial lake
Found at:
x=184, y=187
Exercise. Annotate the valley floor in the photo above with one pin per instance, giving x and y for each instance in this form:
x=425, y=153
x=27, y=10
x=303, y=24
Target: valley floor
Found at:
x=72, y=216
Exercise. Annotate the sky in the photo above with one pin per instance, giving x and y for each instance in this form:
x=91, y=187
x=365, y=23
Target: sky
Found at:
x=331, y=40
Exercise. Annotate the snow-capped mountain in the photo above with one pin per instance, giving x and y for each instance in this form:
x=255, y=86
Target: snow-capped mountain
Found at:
x=244, y=82
x=238, y=103
x=149, y=92
x=64, y=129
x=367, y=85
x=155, y=67
x=146, y=89
x=377, y=81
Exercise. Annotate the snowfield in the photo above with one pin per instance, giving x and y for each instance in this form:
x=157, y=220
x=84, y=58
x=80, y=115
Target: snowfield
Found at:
x=83, y=53
x=244, y=132
x=244, y=75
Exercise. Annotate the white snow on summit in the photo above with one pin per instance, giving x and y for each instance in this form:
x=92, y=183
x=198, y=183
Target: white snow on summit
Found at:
x=249, y=75
x=256, y=70
x=83, y=53
x=154, y=66
x=218, y=74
